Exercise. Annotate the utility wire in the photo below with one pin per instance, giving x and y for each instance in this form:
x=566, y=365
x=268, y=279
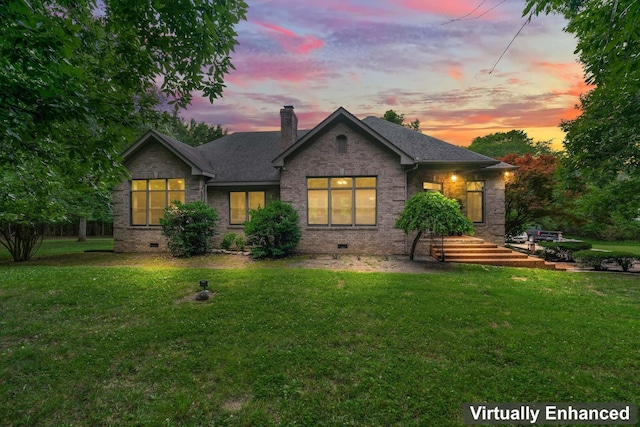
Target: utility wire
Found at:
x=510, y=43
x=462, y=17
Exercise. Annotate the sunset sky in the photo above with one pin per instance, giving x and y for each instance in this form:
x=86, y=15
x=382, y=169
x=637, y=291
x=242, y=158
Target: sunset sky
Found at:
x=427, y=59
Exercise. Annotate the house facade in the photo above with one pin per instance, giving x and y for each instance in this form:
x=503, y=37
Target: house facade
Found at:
x=347, y=178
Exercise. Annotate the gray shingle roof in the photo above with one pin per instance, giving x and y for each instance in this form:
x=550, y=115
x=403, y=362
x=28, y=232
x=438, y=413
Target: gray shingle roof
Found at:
x=244, y=156
x=424, y=148
x=189, y=152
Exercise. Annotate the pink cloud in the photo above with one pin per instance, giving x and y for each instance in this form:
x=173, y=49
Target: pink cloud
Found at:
x=389, y=100
x=464, y=9
x=455, y=73
x=291, y=42
x=261, y=68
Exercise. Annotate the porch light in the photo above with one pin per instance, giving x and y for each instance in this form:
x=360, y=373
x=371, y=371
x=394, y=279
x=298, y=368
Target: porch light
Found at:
x=454, y=177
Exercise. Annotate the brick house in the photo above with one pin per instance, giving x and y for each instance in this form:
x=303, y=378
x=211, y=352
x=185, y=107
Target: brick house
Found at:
x=347, y=178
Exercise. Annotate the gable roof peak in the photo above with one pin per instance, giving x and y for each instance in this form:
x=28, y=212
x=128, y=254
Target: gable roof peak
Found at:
x=340, y=114
x=188, y=154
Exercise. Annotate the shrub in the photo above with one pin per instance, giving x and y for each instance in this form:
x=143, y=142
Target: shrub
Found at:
x=240, y=242
x=598, y=260
x=228, y=240
x=273, y=231
x=594, y=259
x=562, y=250
x=624, y=259
x=188, y=227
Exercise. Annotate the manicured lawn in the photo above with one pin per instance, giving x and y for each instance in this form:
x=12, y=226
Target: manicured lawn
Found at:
x=64, y=246
x=122, y=345
x=627, y=246
x=617, y=246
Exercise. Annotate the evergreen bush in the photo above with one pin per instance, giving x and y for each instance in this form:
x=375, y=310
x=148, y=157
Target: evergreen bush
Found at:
x=594, y=259
x=240, y=242
x=228, y=240
x=599, y=260
x=562, y=250
x=273, y=231
x=624, y=259
x=188, y=228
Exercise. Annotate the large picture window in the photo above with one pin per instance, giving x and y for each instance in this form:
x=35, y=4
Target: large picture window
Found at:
x=475, y=201
x=241, y=202
x=342, y=201
x=149, y=197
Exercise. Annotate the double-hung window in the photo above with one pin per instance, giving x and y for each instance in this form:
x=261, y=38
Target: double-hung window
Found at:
x=342, y=201
x=475, y=201
x=241, y=202
x=149, y=197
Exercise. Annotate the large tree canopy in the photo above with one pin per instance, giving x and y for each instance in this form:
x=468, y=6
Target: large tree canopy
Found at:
x=75, y=77
x=607, y=35
x=603, y=141
x=500, y=144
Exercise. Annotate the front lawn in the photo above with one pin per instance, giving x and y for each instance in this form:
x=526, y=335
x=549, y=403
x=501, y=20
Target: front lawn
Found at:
x=626, y=246
x=129, y=345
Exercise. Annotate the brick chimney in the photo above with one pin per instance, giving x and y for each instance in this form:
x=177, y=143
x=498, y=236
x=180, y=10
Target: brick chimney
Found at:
x=288, y=127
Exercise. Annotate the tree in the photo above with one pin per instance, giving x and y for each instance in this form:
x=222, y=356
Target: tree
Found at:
x=606, y=32
x=393, y=117
x=603, y=141
x=500, y=144
x=273, y=230
x=529, y=194
x=188, y=227
x=192, y=133
x=433, y=212
x=74, y=77
x=610, y=211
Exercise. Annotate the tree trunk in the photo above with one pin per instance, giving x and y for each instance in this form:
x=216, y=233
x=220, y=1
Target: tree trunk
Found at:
x=415, y=243
x=82, y=230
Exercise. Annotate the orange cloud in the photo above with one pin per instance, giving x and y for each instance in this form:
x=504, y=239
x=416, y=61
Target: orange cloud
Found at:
x=455, y=73
x=292, y=42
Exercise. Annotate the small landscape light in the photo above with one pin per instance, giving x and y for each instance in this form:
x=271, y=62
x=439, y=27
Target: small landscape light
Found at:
x=204, y=284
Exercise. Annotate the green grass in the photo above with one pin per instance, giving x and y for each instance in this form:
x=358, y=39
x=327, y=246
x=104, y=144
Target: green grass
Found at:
x=121, y=345
x=64, y=246
x=626, y=246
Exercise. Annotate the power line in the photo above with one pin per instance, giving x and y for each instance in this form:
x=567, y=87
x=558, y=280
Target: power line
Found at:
x=510, y=43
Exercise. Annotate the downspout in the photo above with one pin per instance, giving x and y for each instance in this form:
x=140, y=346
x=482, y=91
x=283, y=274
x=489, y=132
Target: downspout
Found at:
x=406, y=199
